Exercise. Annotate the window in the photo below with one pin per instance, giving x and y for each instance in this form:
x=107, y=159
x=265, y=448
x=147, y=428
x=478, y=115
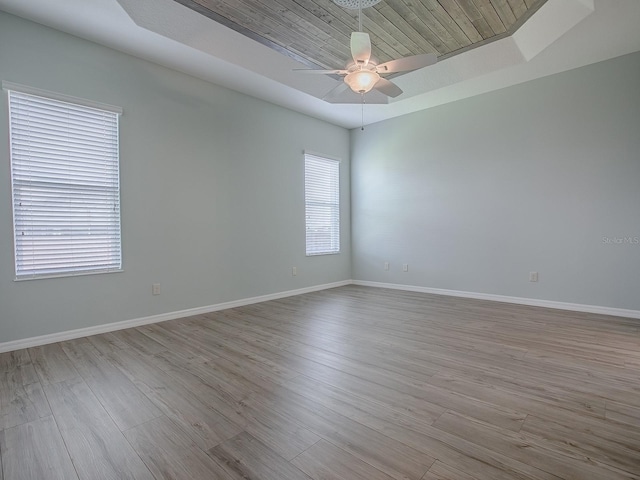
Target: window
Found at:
x=65, y=185
x=322, y=204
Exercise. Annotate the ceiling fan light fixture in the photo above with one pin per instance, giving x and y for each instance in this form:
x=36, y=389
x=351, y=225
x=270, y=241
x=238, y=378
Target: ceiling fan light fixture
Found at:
x=362, y=81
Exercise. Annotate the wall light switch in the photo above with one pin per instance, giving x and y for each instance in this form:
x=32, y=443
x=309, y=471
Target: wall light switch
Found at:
x=294, y=271
x=533, y=276
x=155, y=289
x=386, y=265
x=405, y=267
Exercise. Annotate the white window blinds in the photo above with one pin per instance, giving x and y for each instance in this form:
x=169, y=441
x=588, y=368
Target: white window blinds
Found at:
x=322, y=204
x=66, y=192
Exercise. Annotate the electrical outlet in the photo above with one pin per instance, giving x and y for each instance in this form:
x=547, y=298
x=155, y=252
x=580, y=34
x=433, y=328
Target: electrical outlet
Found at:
x=533, y=276
x=294, y=271
x=155, y=289
x=386, y=265
x=405, y=267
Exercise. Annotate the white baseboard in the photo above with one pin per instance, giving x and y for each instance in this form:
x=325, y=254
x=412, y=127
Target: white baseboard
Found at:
x=576, y=307
x=136, y=322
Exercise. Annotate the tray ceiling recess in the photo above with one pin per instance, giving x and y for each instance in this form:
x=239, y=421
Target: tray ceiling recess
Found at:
x=316, y=32
x=536, y=39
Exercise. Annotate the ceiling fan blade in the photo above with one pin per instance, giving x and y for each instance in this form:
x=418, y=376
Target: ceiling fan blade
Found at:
x=388, y=88
x=408, y=63
x=323, y=72
x=360, y=47
x=336, y=91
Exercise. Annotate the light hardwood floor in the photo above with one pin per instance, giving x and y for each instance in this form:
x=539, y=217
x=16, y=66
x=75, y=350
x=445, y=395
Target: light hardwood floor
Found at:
x=352, y=383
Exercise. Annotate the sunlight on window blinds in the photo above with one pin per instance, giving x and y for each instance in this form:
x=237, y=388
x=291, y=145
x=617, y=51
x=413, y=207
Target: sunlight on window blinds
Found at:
x=66, y=193
x=322, y=205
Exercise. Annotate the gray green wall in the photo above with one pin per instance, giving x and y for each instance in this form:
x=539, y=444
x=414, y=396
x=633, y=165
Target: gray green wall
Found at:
x=212, y=190
x=475, y=194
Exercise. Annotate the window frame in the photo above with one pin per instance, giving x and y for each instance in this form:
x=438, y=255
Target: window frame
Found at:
x=332, y=223
x=58, y=189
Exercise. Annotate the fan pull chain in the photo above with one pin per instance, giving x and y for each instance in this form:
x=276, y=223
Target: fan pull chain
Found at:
x=362, y=94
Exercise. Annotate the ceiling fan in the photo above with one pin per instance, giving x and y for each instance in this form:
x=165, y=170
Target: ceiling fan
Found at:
x=364, y=74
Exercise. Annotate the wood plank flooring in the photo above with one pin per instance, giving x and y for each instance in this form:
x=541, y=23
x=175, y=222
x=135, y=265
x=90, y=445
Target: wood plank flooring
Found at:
x=352, y=383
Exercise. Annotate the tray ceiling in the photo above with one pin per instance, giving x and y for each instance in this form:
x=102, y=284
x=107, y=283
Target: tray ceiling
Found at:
x=560, y=35
x=316, y=32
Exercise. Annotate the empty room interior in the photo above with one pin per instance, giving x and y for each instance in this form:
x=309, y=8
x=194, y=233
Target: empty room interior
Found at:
x=320, y=239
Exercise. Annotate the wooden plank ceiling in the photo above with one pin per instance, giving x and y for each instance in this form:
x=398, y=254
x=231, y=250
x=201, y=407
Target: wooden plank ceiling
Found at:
x=317, y=32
